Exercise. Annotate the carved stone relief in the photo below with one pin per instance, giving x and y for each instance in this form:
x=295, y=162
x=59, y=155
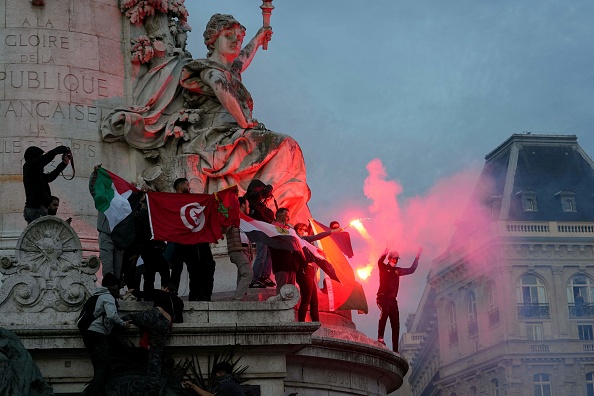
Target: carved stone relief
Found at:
x=48, y=271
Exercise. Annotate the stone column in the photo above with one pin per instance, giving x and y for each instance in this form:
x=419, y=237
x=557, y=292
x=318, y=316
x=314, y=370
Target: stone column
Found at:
x=62, y=66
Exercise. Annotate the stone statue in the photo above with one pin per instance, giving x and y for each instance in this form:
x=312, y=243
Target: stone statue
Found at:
x=194, y=120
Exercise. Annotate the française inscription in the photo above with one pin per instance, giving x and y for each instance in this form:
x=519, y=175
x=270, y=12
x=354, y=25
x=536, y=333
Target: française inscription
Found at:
x=49, y=110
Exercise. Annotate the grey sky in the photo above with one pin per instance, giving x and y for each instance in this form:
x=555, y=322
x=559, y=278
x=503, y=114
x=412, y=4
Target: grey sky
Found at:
x=427, y=87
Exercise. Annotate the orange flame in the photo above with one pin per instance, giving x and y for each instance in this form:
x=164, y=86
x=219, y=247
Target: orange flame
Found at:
x=364, y=272
x=361, y=228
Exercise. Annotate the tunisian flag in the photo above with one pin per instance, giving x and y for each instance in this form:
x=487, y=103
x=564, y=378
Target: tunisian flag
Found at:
x=348, y=294
x=184, y=218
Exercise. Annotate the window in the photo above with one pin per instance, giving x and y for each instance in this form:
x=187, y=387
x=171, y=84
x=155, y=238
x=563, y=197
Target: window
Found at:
x=542, y=384
x=567, y=199
x=492, y=303
x=580, y=292
x=585, y=332
x=495, y=387
x=528, y=200
x=452, y=326
x=472, y=317
x=534, y=331
x=531, y=295
x=590, y=384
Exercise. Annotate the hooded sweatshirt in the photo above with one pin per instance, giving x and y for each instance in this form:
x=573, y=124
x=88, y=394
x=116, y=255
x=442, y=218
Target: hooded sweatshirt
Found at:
x=106, y=303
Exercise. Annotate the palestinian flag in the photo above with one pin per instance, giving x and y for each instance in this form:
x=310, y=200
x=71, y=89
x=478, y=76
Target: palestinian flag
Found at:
x=272, y=235
x=348, y=294
x=116, y=199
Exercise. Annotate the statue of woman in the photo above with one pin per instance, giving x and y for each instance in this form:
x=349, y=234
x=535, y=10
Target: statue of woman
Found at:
x=202, y=128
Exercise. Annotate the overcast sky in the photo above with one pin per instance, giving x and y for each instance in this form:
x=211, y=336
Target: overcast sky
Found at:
x=429, y=88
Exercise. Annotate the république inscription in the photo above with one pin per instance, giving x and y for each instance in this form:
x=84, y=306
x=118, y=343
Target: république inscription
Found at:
x=39, y=38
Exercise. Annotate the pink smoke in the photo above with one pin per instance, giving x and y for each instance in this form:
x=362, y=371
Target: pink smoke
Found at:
x=426, y=221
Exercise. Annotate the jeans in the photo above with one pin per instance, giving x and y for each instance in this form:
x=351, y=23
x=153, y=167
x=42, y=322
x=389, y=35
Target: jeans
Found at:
x=262, y=262
x=389, y=309
x=244, y=272
x=31, y=214
x=309, y=294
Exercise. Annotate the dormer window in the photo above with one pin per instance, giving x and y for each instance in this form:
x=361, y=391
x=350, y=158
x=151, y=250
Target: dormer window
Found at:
x=567, y=200
x=528, y=199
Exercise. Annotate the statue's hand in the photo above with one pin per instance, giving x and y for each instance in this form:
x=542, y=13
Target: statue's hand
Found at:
x=252, y=123
x=264, y=35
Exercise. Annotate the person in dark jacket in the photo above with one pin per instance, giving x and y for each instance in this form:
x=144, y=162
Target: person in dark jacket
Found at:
x=37, y=190
x=167, y=309
x=306, y=277
x=390, y=275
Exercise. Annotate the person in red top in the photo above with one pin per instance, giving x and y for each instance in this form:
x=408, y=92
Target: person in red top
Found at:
x=390, y=275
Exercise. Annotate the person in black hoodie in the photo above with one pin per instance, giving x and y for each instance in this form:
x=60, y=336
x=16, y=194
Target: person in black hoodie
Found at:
x=36, y=182
x=390, y=275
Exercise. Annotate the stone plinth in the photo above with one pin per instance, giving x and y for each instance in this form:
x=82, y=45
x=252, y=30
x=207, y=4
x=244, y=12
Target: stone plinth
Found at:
x=47, y=280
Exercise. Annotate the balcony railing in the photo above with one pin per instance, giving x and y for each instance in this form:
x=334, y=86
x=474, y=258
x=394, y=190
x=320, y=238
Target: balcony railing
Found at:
x=494, y=317
x=533, y=311
x=585, y=311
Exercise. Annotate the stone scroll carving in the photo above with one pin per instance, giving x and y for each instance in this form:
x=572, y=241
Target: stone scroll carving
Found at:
x=48, y=272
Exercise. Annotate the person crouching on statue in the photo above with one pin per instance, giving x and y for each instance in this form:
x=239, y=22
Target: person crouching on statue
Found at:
x=156, y=323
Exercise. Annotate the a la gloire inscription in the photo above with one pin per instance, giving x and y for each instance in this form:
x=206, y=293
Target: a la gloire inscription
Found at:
x=83, y=82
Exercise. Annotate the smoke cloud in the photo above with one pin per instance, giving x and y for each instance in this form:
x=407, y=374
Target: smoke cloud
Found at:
x=404, y=225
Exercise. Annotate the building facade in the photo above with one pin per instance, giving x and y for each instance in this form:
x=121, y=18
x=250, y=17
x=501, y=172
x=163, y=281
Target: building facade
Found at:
x=508, y=308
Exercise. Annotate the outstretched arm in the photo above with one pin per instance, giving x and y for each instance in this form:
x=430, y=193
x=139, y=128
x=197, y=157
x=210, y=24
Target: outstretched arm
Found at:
x=413, y=267
x=247, y=53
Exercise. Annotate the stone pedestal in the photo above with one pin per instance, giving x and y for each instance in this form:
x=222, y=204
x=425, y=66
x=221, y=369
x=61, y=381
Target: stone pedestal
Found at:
x=47, y=281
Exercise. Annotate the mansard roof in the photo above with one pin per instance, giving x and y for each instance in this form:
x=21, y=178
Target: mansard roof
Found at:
x=550, y=172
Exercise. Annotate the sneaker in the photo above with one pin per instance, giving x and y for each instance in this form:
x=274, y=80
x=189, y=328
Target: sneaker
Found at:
x=267, y=282
x=381, y=341
x=257, y=285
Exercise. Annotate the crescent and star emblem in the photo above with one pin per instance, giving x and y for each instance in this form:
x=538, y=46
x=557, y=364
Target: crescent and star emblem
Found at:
x=192, y=215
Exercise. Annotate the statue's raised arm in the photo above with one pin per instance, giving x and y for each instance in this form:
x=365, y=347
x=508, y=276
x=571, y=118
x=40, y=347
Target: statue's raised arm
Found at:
x=204, y=131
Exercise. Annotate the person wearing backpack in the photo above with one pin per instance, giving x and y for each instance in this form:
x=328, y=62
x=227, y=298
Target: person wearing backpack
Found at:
x=95, y=337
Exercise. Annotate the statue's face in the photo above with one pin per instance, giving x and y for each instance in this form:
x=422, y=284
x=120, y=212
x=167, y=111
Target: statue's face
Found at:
x=229, y=42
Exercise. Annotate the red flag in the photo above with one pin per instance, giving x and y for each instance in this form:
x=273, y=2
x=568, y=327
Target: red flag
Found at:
x=348, y=294
x=183, y=218
x=228, y=206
